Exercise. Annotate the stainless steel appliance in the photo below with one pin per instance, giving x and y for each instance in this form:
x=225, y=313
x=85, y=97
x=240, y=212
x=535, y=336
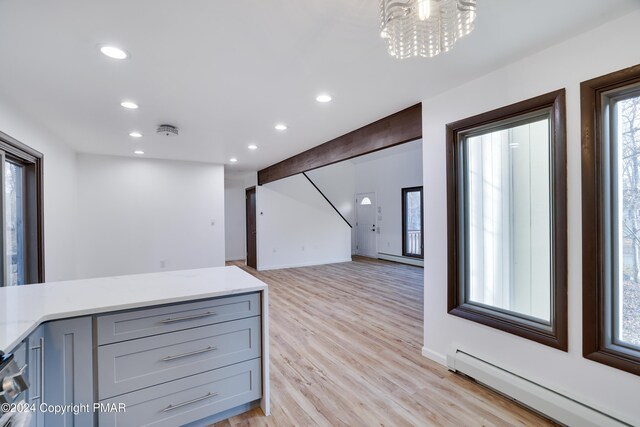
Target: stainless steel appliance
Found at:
x=13, y=383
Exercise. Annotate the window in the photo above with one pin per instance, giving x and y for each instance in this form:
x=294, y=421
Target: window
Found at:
x=611, y=219
x=21, y=202
x=412, y=238
x=506, y=189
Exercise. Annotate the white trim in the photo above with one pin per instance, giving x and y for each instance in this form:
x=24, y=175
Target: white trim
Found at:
x=436, y=357
x=401, y=259
x=265, y=402
x=304, y=264
x=553, y=404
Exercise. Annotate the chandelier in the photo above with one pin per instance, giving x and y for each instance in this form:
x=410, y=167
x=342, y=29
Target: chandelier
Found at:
x=424, y=27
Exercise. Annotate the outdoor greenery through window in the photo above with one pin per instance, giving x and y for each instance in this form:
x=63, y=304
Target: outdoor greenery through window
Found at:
x=412, y=236
x=506, y=187
x=611, y=219
x=21, y=202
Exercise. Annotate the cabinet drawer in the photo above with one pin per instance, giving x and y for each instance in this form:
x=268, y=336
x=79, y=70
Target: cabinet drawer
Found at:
x=188, y=399
x=143, y=323
x=132, y=365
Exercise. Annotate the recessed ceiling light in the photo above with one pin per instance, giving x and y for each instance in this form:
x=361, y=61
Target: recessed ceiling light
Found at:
x=281, y=126
x=130, y=105
x=135, y=134
x=138, y=152
x=252, y=147
x=323, y=98
x=114, y=52
x=233, y=160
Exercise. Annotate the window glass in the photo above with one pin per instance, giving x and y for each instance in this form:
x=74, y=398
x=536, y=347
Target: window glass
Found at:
x=412, y=204
x=14, y=223
x=626, y=132
x=508, y=217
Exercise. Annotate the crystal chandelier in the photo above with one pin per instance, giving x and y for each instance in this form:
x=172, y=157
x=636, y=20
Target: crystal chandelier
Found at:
x=424, y=27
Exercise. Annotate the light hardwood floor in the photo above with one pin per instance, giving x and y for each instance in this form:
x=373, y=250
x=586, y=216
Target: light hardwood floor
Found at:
x=346, y=344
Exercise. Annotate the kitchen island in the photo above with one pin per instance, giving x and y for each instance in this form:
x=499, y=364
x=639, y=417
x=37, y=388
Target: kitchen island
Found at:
x=146, y=341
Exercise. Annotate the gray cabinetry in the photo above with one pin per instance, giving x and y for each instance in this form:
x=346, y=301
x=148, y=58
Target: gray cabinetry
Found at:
x=35, y=357
x=185, y=363
x=20, y=354
x=132, y=365
x=154, y=321
x=196, y=362
x=188, y=399
x=68, y=370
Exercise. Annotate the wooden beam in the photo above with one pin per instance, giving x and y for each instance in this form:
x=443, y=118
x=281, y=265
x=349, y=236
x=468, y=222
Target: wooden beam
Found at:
x=403, y=126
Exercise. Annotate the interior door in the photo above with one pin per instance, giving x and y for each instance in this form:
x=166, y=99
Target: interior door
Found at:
x=250, y=200
x=366, y=225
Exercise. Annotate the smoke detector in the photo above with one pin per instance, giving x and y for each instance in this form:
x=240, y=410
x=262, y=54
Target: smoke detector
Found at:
x=167, y=130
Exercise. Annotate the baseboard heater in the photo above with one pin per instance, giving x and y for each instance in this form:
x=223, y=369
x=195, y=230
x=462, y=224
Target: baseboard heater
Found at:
x=551, y=404
x=401, y=259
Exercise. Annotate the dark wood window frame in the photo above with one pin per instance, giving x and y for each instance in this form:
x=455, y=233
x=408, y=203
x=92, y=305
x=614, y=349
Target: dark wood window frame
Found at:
x=597, y=278
x=32, y=161
x=404, y=222
x=555, y=333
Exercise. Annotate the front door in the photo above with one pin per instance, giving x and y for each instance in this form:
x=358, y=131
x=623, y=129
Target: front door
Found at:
x=252, y=259
x=366, y=225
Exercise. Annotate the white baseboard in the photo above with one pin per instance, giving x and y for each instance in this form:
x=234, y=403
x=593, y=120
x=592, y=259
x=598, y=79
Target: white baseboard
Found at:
x=303, y=264
x=436, y=357
x=401, y=259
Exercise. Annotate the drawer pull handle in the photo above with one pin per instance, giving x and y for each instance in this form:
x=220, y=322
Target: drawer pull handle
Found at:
x=180, y=356
x=180, y=405
x=193, y=316
x=41, y=371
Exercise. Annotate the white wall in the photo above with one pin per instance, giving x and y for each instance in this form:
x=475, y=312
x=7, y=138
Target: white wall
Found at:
x=603, y=50
x=235, y=213
x=386, y=176
x=59, y=191
x=135, y=213
x=385, y=173
x=338, y=183
x=297, y=227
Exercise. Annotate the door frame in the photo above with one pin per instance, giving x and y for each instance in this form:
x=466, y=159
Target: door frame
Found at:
x=404, y=192
x=375, y=218
x=248, y=234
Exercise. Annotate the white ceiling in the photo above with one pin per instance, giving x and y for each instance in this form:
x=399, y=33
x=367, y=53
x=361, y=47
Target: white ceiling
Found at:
x=226, y=72
x=413, y=146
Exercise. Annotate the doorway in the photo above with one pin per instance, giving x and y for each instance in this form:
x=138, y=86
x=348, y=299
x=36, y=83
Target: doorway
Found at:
x=366, y=225
x=250, y=201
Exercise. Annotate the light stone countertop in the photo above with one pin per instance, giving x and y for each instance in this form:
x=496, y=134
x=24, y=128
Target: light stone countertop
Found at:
x=23, y=308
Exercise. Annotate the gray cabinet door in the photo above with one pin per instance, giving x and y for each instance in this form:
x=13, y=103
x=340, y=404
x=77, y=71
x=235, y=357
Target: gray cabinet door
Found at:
x=35, y=347
x=68, y=375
